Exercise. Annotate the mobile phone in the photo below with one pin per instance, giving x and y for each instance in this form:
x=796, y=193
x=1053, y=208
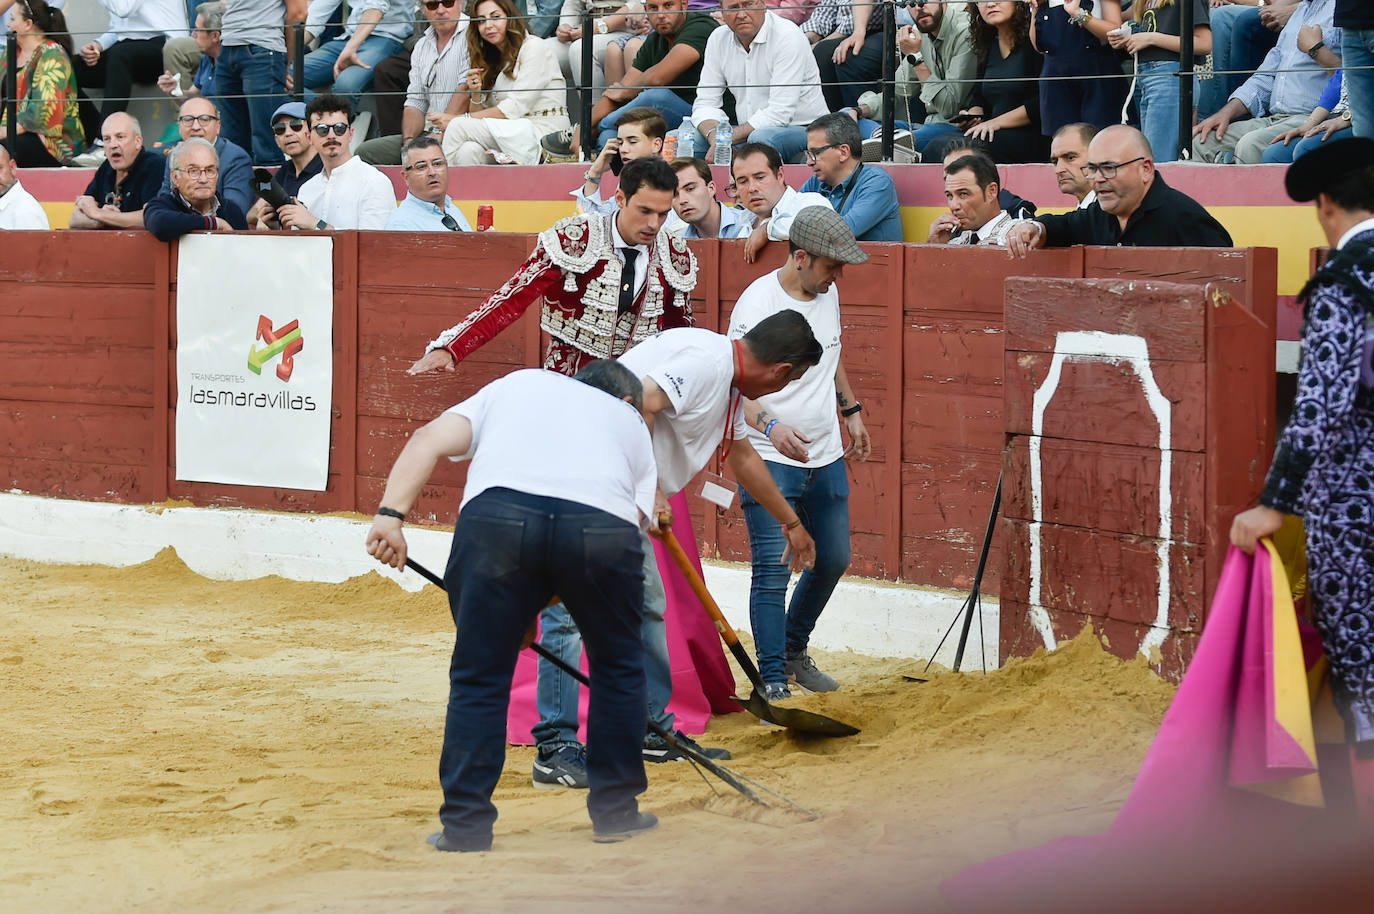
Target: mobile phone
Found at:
x=616, y=163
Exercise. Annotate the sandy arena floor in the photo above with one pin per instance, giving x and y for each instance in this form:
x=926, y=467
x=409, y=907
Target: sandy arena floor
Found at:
x=180, y=744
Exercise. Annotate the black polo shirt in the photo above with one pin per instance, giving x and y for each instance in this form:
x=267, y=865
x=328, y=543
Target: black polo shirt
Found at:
x=1354, y=14
x=291, y=182
x=1166, y=218
x=140, y=186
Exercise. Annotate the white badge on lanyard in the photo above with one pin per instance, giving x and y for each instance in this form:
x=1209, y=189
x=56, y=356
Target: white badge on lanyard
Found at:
x=718, y=490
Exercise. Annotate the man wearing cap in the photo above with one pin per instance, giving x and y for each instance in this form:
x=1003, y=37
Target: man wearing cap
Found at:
x=797, y=433
x=292, y=135
x=1323, y=468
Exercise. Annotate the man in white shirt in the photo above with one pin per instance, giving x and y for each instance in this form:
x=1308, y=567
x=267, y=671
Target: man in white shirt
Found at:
x=767, y=64
x=348, y=193
x=130, y=51
x=797, y=433
x=18, y=208
x=1068, y=155
x=696, y=211
x=757, y=170
x=529, y=529
x=975, y=214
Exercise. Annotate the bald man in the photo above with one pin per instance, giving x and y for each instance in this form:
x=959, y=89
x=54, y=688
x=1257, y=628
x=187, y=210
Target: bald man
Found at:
x=127, y=179
x=1133, y=207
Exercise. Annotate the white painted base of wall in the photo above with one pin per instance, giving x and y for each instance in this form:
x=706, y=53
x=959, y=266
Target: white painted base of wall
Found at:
x=864, y=616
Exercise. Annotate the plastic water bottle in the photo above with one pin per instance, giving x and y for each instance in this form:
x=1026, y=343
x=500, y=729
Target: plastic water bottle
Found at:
x=723, y=145
x=686, y=139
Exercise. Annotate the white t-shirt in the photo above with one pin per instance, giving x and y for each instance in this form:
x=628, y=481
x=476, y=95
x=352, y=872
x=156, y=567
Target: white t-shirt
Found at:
x=353, y=196
x=808, y=403
x=544, y=433
x=696, y=369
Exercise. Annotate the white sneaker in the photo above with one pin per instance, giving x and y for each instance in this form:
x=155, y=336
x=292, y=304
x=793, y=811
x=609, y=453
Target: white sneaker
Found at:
x=903, y=152
x=90, y=158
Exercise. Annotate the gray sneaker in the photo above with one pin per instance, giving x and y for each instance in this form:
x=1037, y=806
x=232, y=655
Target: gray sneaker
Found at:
x=801, y=669
x=565, y=767
x=776, y=691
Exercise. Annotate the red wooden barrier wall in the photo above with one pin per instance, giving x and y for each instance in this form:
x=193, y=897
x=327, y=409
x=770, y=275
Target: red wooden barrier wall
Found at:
x=88, y=346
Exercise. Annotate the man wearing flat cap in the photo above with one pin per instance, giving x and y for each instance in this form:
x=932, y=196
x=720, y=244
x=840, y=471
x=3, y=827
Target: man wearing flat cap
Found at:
x=797, y=433
x=1323, y=468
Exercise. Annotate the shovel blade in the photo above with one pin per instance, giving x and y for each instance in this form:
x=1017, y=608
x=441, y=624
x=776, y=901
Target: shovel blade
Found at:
x=794, y=718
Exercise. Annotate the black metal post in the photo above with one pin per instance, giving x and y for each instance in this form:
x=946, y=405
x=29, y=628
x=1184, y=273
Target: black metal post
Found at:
x=973, y=596
x=889, y=78
x=298, y=64
x=9, y=91
x=1185, y=79
x=585, y=90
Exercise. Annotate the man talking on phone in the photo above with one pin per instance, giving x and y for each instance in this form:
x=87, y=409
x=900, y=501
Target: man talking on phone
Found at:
x=639, y=133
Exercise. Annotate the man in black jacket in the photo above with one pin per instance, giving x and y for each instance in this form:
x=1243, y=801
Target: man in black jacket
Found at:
x=1134, y=206
x=192, y=206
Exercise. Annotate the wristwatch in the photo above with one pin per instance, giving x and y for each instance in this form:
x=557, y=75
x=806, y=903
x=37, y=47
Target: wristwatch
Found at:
x=600, y=26
x=1081, y=18
x=321, y=225
x=1312, y=51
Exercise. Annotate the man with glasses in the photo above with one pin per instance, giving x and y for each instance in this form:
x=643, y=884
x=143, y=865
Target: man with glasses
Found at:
x=190, y=62
x=1134, y=206
x=438, y=66
x=302, y=161
x=199, y=119
x=123, y=183
x=427, y=207
x=193, y=205
x=348, y=193
x=757, y=170
x=863, y=194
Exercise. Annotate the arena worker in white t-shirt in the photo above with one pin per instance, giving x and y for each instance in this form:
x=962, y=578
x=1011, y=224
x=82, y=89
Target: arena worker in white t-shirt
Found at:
x=797, y=433
x=530, y=528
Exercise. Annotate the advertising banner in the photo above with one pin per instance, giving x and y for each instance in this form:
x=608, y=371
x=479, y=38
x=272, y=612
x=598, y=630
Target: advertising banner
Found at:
x=254, y=357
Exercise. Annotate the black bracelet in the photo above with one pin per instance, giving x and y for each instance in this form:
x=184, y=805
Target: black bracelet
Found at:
x=390, y=512
x=856, y=408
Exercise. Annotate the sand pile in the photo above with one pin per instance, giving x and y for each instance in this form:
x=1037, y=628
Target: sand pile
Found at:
x=180, y=744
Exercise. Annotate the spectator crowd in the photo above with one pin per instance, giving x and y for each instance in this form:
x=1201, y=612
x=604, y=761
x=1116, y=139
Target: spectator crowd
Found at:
x=743, y=83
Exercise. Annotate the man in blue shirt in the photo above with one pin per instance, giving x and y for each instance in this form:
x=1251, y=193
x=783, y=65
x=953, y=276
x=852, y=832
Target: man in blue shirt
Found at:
x=696, y=211
x=863, y=194
x=426, y=207
x=199, y=118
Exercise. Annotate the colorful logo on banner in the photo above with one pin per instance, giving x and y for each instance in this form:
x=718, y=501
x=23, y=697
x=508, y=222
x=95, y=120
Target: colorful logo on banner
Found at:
x=285, y=342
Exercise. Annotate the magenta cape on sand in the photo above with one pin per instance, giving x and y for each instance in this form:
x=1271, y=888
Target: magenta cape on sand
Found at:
x=1241, y=718
x=702, y=681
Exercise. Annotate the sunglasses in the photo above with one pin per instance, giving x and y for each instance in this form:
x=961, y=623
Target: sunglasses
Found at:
x=295, y=125
x=433, y=5
x=450, y=223
x=323, y=129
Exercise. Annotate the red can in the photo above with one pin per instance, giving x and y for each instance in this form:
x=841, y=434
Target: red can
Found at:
x=484, y=217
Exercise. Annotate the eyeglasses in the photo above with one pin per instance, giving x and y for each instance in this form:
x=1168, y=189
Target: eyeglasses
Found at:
x=422, y=167
x=433, y=5
x=814, y=154
x=202, y=119
x=323, y=129
x=1107, y=170
x=195, y=174
x=450, y=223
x=295, y=125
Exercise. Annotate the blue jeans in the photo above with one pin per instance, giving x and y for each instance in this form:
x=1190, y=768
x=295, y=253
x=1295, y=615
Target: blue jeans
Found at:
x=1156, y=97
x=927, y=133
x=665, y=101
x=820, y=496
x=1239, y=42
x=868, y=127
x=556, y=692
x=546, y=22
x=1357, y=57
x=1279, y=154
x=511, y=553
x=260, y=74
x=788, y=141
x=354, y=81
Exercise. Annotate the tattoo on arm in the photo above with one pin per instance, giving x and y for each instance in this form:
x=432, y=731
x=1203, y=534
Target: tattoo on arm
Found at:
x=764, y=417
x=841, y=399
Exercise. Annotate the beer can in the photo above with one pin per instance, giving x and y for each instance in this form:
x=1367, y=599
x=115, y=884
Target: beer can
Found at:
x=484, y=217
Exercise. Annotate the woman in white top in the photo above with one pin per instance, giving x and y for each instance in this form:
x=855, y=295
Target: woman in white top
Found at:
x=516, y=87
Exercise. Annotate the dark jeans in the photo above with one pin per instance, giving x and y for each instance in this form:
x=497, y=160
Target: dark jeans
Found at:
x=28, y=151
x=861, y=71
x=250, y=83
x=390, y=79
x=820, y=496
x=116, y=70
x=511, y=553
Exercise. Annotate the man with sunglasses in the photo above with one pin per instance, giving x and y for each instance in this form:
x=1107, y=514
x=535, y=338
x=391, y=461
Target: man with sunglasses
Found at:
x=348, y=193
x=438, y=66
x=199, y=119
x=293, y=139
x=863, y=194
x=427, y=207
x=193, y=205
x=1133, y=207
x=123, y=183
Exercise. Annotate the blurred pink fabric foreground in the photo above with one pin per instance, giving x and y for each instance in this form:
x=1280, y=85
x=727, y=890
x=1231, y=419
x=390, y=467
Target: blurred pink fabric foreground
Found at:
x=1241, y=718
x=702, y=681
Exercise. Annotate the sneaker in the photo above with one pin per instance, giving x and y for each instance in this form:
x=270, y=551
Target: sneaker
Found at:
x=91, y=158
x=801, y=669
x=564, y=767
x=558, y=144
x=624, y=827
x=443, y=841
x=656, y=748
x=903, y=151
x=776, y=691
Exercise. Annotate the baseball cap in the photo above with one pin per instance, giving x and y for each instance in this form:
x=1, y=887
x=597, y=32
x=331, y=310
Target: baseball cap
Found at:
x=290, y=109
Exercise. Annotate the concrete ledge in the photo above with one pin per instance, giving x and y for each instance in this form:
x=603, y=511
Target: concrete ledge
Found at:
x=864, y=616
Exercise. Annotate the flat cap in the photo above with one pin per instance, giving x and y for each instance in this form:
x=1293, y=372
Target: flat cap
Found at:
x=1329, y=162
x=822, y=232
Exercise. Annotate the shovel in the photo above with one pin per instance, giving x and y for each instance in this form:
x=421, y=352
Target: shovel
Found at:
x=755, y=704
